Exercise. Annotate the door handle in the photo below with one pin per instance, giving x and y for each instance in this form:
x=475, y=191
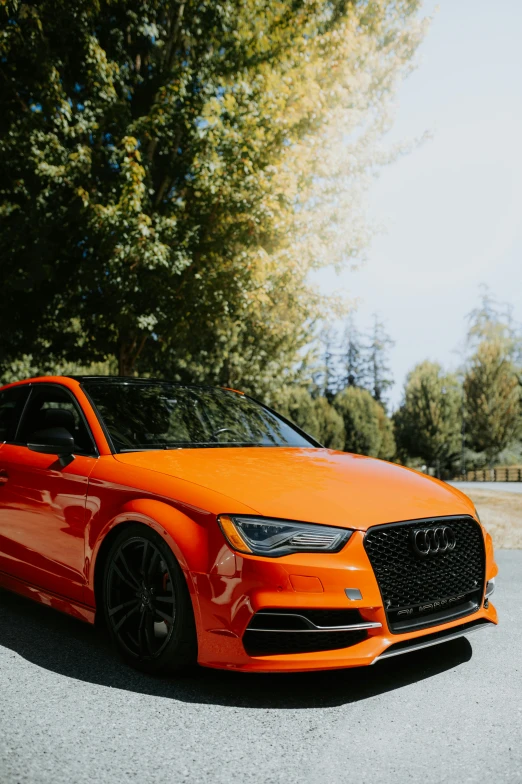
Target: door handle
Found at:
x=4, y=476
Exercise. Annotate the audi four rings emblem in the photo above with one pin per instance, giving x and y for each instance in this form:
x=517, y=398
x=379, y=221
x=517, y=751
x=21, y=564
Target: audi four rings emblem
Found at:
x=433, y=541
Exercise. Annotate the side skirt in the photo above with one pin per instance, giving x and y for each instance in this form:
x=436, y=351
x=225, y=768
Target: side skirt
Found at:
x=80, y=611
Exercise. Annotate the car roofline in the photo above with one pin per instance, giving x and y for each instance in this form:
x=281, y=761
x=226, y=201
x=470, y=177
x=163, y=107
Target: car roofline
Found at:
x=137, y=380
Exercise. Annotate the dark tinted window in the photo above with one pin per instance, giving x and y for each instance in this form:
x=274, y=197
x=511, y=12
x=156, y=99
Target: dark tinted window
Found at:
x=53, y=406
x=11, y=406
x=156, y=416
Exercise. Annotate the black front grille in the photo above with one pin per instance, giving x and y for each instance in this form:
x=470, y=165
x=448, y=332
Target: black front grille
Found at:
x=418, y=592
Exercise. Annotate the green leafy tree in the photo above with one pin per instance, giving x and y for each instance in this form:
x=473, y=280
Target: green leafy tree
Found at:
x=314, y=415
x=428, y=423
x=173, y=169
x=388, y=446
x=493, y=321
x=368, y=429
x=492, y=399
x=297, y=404
x=330, y=425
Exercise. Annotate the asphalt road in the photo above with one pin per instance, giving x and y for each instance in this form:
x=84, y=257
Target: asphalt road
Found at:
x=70, y=712
x=504, y=487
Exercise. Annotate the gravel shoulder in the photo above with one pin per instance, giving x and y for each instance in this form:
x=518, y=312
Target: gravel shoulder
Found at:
x=499, y=510
x=70, y=711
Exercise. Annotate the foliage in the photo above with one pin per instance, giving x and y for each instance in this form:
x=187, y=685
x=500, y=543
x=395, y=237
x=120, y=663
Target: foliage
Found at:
x=352, y=356
x=172, y=171
x=493, y=321
x=377, y=368
x=353, y=359
x=330, y=430
x=493, y=399
x=368, y=429
x=428, y=423
x=24, y=368
x=388, y=446
x=315, y=416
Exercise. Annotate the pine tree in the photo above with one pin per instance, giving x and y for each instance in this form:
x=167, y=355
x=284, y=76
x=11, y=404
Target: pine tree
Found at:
x=377, y=369
x=352, y=356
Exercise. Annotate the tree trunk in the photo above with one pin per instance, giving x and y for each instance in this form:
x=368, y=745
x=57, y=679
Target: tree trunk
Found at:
x=125, y=358
x=130, y=347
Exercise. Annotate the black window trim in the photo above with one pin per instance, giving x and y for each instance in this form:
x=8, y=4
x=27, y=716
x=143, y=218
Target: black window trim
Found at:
x=100, y=420
x=22, y=412
x=38, y=384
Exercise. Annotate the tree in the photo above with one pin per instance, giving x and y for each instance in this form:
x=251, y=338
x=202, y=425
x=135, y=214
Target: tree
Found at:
x=353, y=370
x=173, y=170
x=326, y=377
x=377, y=370
x=330, y=430
x=297, y=404
x=313, y=415
x=493, y=321
x=492, y=399
x=388, y=447
x=428, y=423
x=368, y=429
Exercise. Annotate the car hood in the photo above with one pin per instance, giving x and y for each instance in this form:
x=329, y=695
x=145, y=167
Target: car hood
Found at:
x=313, y=485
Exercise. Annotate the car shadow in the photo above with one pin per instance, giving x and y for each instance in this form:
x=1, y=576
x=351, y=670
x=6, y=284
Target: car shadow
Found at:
x=63, y=645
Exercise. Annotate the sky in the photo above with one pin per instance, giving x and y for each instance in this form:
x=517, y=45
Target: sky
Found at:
x=453, y=206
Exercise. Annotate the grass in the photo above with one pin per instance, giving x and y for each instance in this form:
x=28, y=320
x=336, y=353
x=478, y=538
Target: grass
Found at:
x=501, y=513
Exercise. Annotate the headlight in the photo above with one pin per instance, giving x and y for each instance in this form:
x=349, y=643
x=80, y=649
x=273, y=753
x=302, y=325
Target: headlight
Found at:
x=262, y=536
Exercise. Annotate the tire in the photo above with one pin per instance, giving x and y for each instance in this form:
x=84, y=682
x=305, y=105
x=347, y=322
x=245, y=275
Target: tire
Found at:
x=146, y=603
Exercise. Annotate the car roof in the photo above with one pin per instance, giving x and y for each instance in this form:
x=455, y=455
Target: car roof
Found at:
x=80, y=379
x=126, y=379
x=134, y=380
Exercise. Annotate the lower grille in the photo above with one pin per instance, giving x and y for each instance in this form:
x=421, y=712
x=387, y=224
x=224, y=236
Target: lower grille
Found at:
x=270, y=643
x=280, y=631
x=421, y=591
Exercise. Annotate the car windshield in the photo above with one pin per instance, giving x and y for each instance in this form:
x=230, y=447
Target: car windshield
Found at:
x=168, y=416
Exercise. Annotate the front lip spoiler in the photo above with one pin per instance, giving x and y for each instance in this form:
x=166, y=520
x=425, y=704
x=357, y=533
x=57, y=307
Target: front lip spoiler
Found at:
x=452, y=634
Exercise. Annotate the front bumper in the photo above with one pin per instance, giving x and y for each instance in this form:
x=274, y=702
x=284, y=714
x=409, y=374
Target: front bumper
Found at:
x=239, y=586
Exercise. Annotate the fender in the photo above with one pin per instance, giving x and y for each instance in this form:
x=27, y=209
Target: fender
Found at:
x=186, y=536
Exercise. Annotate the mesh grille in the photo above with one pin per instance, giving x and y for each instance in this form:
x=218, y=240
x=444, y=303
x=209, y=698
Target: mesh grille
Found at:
x=412, y=587
x=293, y=637
x=266, y=643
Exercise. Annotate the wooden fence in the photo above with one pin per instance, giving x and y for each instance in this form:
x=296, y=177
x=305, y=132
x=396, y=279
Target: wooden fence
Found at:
x=502, y=474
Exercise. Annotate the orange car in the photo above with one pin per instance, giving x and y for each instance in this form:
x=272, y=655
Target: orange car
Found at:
x=201, y=525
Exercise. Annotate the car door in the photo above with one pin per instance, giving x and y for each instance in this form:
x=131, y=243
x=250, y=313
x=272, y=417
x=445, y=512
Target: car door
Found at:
x=42, y=498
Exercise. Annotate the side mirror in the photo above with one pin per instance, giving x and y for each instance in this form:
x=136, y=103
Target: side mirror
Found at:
x=52, y=441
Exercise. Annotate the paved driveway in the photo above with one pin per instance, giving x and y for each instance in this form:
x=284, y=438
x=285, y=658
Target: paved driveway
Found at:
x=71, y=713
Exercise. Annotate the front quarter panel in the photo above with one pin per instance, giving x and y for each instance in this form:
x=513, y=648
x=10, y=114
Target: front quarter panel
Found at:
x=183, y=513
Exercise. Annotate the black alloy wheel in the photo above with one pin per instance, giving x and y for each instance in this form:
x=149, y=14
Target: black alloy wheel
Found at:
x=147, y=606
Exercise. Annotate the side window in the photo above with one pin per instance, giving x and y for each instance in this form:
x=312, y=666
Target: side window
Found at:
x=52, y=406
x=12, y=403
